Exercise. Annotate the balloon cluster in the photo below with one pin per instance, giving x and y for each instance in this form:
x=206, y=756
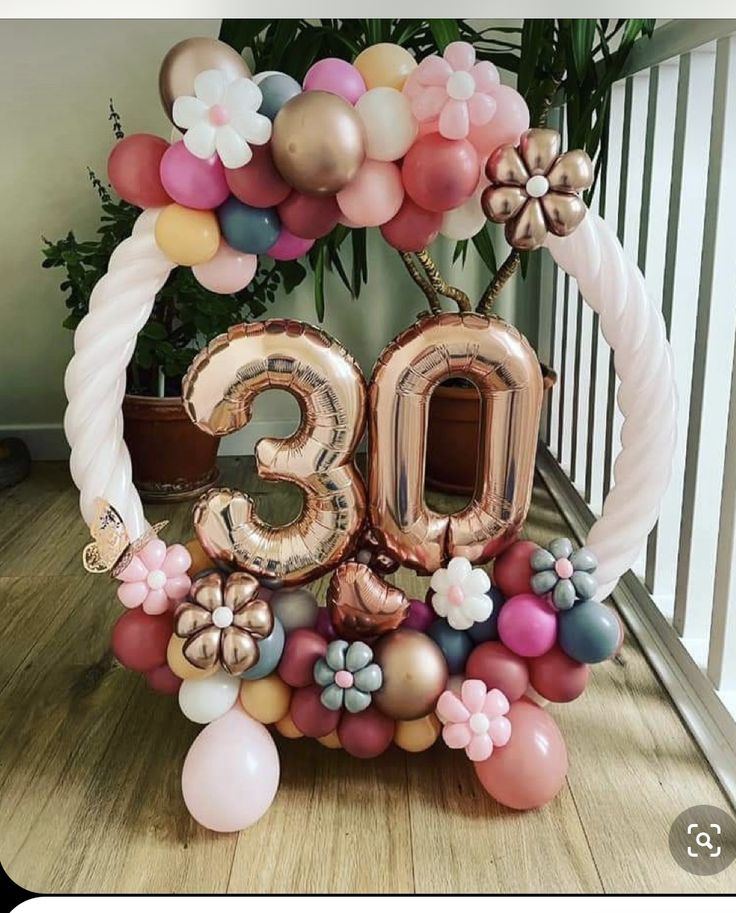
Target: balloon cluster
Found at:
x=264, y=165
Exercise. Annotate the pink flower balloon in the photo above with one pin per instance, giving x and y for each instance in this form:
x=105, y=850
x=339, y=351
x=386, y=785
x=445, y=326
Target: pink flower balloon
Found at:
x=231, y=773
x=229, y=271
x=336, y=76
x=193, y=182
x=476, y=720
x=289, y=246
x=527, y=624
x=374, y=196
x=156, y=578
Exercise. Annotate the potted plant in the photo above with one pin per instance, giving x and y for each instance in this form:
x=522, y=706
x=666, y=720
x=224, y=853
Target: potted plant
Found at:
x=172, y=459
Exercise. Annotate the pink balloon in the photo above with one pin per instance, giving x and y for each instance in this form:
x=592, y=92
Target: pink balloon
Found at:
x=530, y=770
x=527, y=624
x=440, y=174
x=307, y=216
x=336, y=76
x=191, y=181
x=231, y=773
x=374, y=196
x=289, y=246
x=412, y=228
x=228, y=271
x=420, y=615
x=510, y=120
x=512, y=572
x=497, y=667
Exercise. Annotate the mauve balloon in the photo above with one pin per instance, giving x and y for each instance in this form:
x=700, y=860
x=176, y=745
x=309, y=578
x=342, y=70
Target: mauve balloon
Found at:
x=440, y=174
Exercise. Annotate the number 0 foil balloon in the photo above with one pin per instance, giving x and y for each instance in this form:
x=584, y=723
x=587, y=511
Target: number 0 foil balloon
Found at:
x=497, y=359
x=219, y=390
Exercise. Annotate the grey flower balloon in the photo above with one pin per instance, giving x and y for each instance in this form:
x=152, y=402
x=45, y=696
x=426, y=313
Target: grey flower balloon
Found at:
x=563, y=572
x=348, y=676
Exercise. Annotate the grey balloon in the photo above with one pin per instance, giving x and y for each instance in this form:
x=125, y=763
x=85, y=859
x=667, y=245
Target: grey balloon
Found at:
x=269, y=650
x=295, y=609
x=277, y=89
x=588, y=632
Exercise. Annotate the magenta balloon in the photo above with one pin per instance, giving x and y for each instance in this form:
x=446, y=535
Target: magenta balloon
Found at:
x=336, y=76
x=231, y=773
x=374, y=196
x=412, y=228
x=191, y=181
x=510, y=120
x=289, y=246
x=530, y=769
x=527, y=624
x=420, y=615
x=307, y=216
x=440, y=174
x=229, y=271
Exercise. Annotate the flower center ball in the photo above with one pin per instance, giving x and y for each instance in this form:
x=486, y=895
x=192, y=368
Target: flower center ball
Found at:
x=479, y=723
x=222, y=617
x=537, y=186
x=343, y=678
x=156, y=580
x=564, y=568
x=455, y=594
x=219, y=116
x=460, y=86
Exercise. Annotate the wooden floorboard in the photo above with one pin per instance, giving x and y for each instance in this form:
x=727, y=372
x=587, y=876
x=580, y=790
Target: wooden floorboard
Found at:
x=90, y=760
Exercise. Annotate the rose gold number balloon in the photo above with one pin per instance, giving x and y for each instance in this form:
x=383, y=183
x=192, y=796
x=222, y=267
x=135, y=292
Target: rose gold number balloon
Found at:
x=218, y=392
x=502, y=365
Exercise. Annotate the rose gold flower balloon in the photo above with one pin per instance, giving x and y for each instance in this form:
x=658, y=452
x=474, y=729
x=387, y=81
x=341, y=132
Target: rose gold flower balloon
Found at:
x=190, y=57
x=414, y=674
x=534, y=189
x=362, y=605
x=504, y=368
x=218, y=392
x=317, y=143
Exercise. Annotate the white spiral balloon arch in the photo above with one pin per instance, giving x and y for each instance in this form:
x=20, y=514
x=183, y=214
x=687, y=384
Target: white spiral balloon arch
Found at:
x=608, y=281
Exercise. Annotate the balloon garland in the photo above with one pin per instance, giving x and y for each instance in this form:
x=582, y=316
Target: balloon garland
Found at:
x=267, y=166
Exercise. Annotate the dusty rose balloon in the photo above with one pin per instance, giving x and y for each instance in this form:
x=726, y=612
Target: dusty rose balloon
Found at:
x=163, y=680
x=227, y=272
x=412, y=228
x=258, y=183
x=140, y=641
x=310, y=716
x=527, y=624
x=512, y=572
x=337, y=76
x=288, y=246
x=366, y=734
x=374, y=196
x=193, y=182
x=497, y=667
x=302, y=650
x=557, y=677
x=530, y=770
x=309, y=216
x=440, y=174
x=231, y=773
x=134, y=170
x=510, y=120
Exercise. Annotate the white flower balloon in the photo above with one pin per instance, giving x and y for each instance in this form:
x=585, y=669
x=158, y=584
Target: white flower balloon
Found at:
x=461, y=594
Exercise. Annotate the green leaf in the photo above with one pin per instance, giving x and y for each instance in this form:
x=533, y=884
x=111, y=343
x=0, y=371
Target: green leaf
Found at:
x=444, y=31
x=241, y=33
x=582, y=35
x=319, y=284
x=483, y=244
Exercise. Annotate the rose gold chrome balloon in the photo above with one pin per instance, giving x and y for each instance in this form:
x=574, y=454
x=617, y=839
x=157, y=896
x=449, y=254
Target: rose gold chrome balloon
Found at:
x=218, y=392
x=190, y=57
x=500, y=362
x=414, y=674
x=317, y=143
x=361, y=604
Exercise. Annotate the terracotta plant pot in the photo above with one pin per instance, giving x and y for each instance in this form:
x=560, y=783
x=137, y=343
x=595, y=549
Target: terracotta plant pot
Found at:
x=452, y=436
x=172, y=459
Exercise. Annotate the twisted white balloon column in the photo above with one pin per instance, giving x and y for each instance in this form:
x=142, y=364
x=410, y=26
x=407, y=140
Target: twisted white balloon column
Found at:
x=614, y=287
x=104, y=343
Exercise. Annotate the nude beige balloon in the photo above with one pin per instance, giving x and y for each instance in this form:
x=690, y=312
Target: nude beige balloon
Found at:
x=318, y=143
x=500, y=362
x=186, y=60
x=219, y=390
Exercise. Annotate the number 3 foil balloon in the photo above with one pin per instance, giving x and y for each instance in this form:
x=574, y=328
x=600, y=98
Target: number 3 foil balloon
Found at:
x=218, y=392
x=499, y=361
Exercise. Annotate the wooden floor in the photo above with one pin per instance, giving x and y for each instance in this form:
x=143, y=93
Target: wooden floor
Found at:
x=90, y=762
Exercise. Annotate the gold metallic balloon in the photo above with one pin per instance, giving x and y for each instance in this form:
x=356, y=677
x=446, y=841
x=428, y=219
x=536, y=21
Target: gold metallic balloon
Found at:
x=500, y=362
x=317, y=143
x=414, y=674
x=218, y=392
x=363, y=605
x=534, y=189
x=186, y=60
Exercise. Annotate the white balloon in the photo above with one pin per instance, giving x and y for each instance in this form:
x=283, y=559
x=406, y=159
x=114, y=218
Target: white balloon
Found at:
x=259, y=77
x=203, y=700
x=465, y=221
x=390, y=127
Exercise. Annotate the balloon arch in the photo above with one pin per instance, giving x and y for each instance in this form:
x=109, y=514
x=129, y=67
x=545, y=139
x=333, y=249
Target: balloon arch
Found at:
x=265, y=166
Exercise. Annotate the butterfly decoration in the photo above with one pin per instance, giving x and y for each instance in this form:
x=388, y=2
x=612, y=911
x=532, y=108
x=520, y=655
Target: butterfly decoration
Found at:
x=111, y=549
